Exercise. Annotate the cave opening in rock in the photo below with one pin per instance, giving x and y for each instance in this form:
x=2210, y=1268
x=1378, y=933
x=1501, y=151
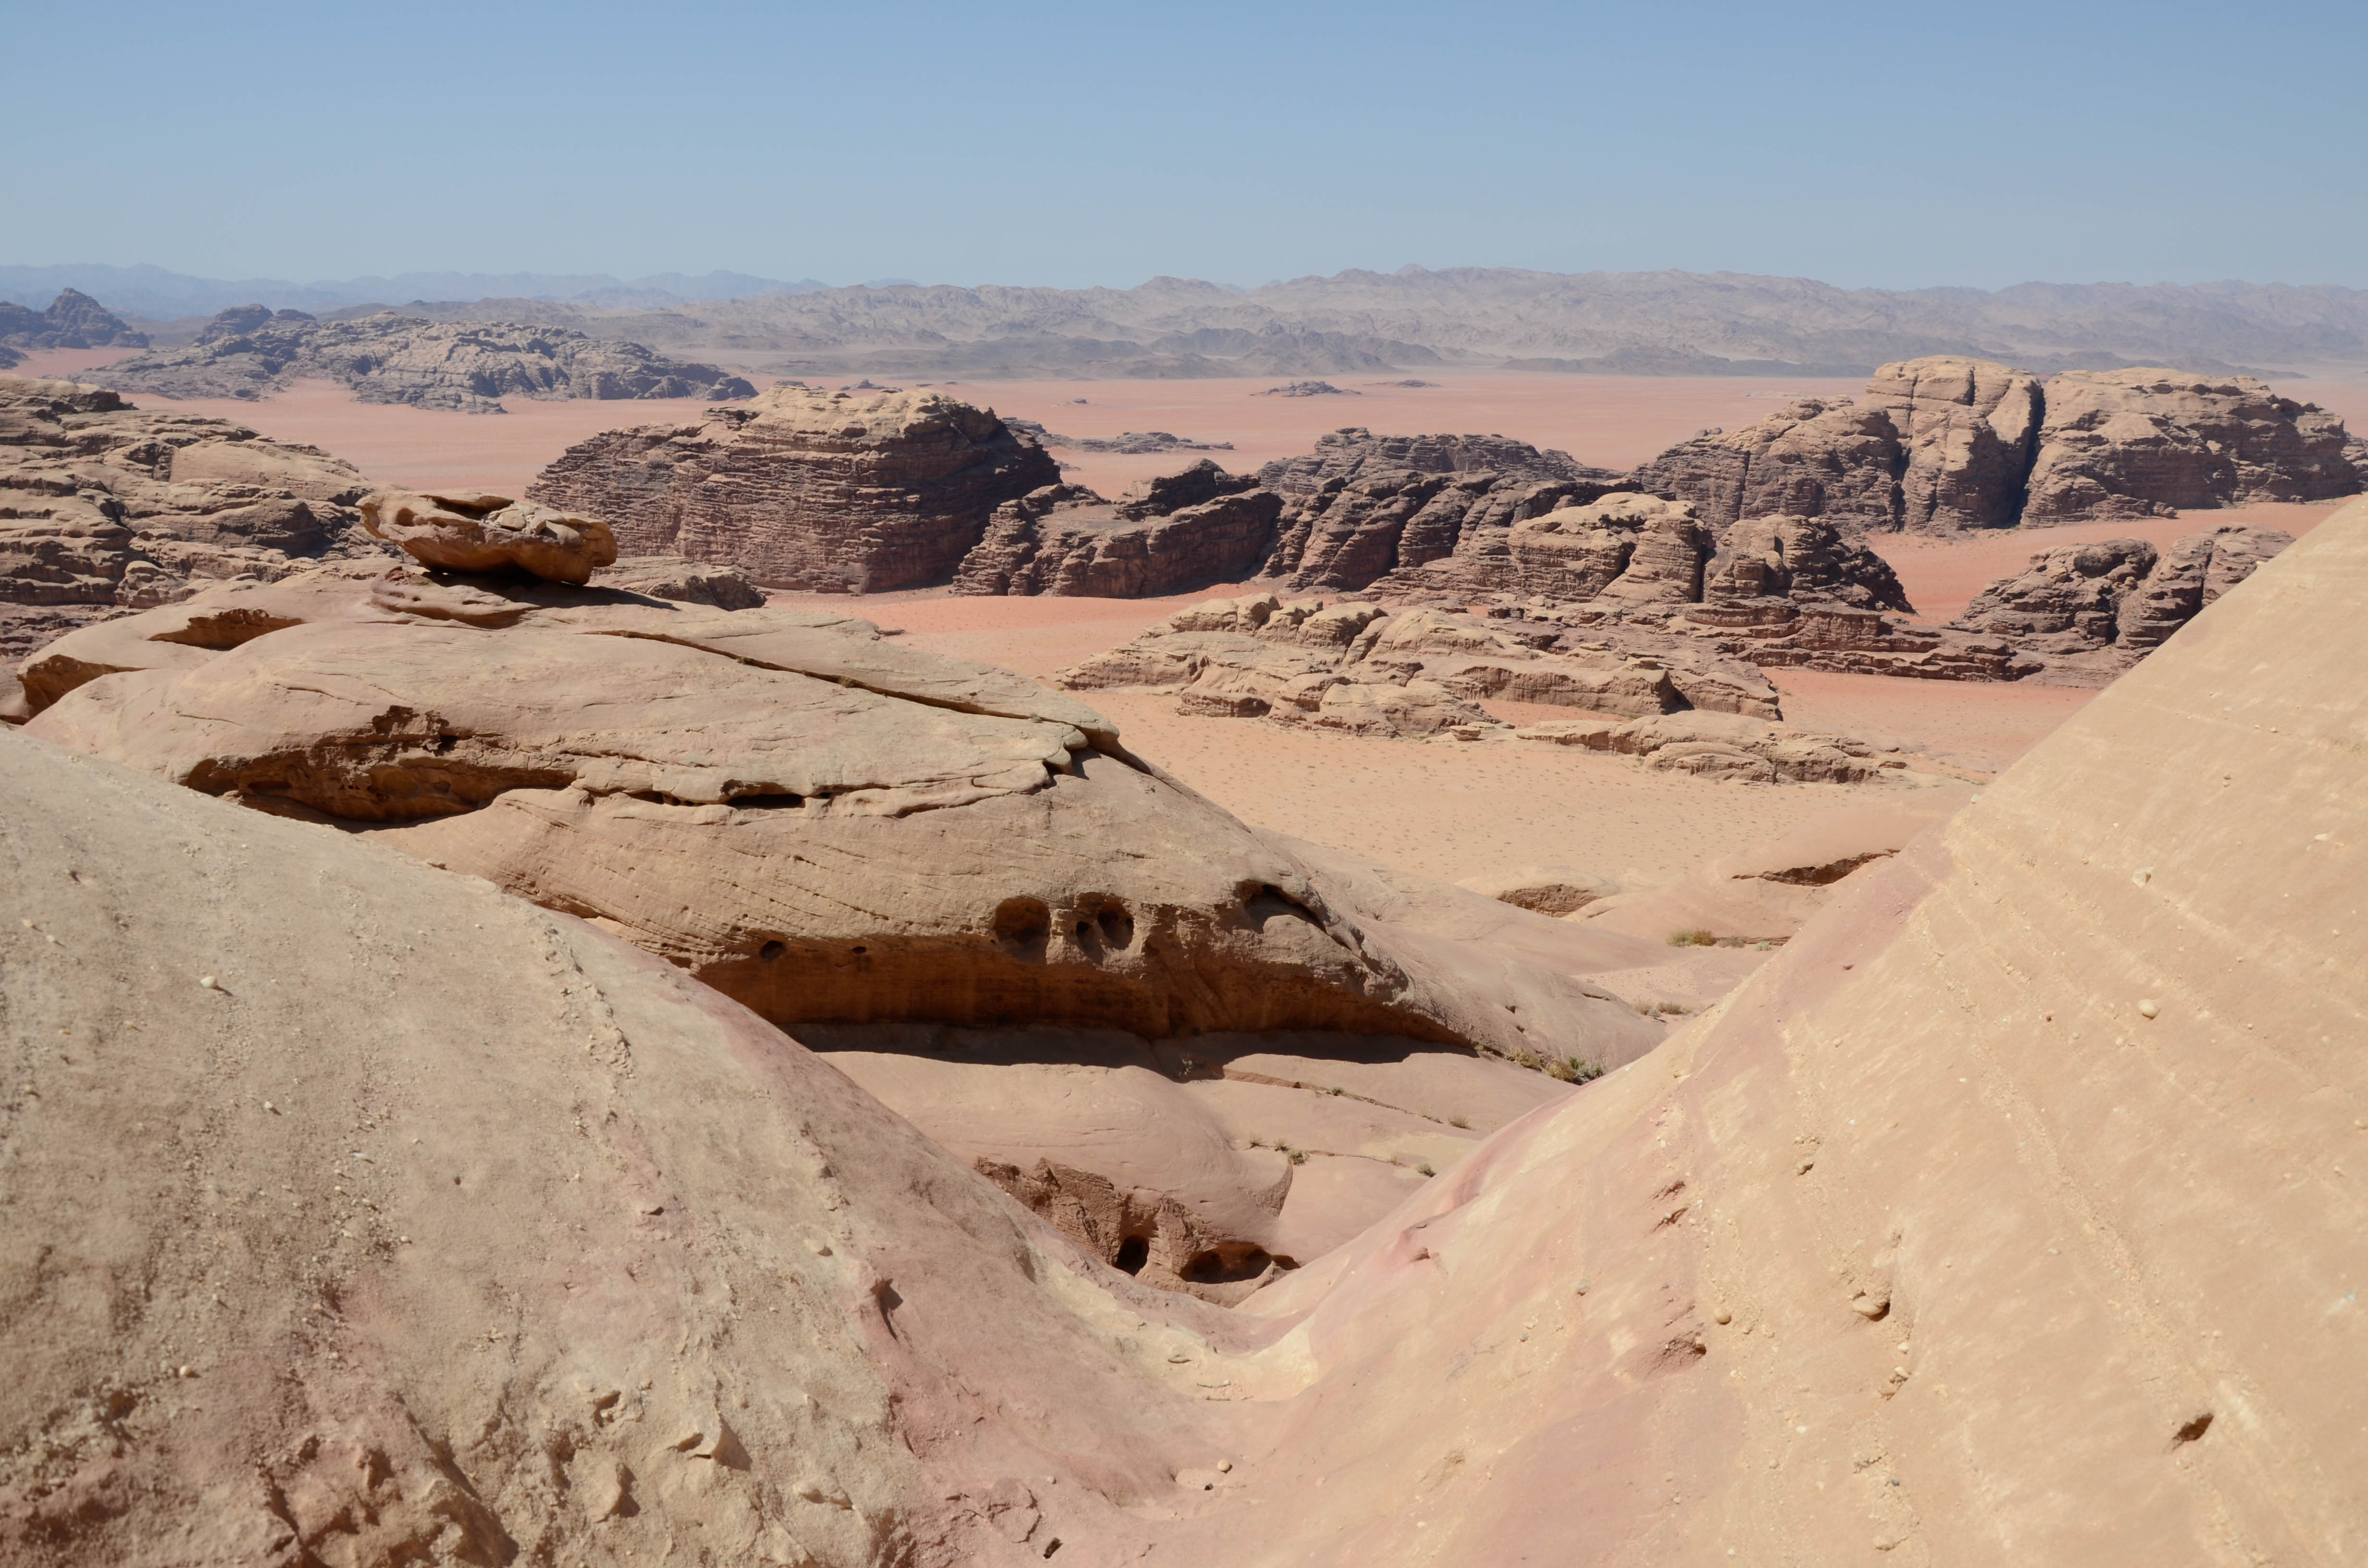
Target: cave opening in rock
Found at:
x=1132, y=1253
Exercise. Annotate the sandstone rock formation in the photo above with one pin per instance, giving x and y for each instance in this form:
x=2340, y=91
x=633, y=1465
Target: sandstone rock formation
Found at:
x=823, y=823
x=1947, y=443
x=1725, y=746
x=104, y=507
x=2084, y=613
x=1968, y=431
x=74, y=320
x=2149, y=443
x=1631, y=552
x=2003, y=1216
x=1548, y=890
x=1814, y=458
x=1983, y=1224
x=1362, y=505
x=1166, y=535
x=1769, y=891
x=249, y=351
x=807, y=489
x=383, y=1219
x=683, y=582
x=489, y=534
x=1356, y=669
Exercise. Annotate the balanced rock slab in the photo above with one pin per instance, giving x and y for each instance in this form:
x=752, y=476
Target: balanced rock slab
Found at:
x=489, y=534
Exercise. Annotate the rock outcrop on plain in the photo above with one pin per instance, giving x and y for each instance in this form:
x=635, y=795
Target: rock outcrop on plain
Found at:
x=2086, y=612
x=820, y=822
x=105, y=507
x=1356, y=669
x=2149, y=443
x=250, y=351
x=1361, y=506
x=1629, y=552
x=826, y=491
x=1166, y=535
x=1944, y=444
x=74, y=320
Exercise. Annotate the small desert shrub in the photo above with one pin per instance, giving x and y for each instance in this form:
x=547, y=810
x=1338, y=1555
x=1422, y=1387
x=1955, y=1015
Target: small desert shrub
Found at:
x=1425, y=1169
x=1671, y=1009
x=1574, y=1070
x=1298, y=1156
x=1694, y=938
x=1459, y=1121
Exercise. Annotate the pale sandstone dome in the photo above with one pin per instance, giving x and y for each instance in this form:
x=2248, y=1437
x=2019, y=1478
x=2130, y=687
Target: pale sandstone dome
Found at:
x=483, y=1237
x=807, y=489
x=104, y=507
x=249, y=351
x=821, y=823
x=2000, y=1216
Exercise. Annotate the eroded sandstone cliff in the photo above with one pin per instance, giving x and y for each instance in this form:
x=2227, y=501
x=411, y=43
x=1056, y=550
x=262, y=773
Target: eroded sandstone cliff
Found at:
x=806, y=489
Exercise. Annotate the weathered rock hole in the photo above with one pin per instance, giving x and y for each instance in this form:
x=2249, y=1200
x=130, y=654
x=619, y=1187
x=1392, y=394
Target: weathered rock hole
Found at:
x=1132, y=1253
x=1024, y=926
x=1118, y=927
x=1263, y=901
x=2192, y=1430
x=1225, y=1265
x=772, y=951
x=780, y=802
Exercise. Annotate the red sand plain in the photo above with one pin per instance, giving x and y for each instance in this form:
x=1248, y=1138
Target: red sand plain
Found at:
x=1448, y=810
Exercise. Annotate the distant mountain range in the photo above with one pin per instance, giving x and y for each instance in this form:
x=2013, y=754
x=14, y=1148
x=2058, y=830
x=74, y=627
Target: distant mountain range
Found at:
x=159, y=295
x=1470, y=318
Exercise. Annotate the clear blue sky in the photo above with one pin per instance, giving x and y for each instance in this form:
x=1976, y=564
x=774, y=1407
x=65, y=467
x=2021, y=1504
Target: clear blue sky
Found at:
x=1900, y=146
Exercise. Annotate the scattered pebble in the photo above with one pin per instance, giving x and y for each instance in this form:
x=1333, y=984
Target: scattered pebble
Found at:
x=272, y=1109
x=185, y=1372
x=1224, y=1466
x=207, y=981
x=1722, y=1316
x=2149, y=1009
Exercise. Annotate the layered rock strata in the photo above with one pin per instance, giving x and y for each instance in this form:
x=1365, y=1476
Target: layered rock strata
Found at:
x=1630, y=552
x=805, y=489
x=2087, y=612
x=1356, y=669
x=104, y=507
x=1361, y=506
x=2149, y=443
x=249, y=351
x=1166, y=535
x=822, y=824
x=1943, y=444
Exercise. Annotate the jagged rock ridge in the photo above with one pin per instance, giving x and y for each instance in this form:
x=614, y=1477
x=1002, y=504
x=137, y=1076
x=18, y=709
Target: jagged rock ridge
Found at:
x=248, y=351
x=1944, y=444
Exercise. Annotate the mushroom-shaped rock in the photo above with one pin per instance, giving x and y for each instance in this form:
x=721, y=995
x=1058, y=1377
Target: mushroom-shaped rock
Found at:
x=472, y=531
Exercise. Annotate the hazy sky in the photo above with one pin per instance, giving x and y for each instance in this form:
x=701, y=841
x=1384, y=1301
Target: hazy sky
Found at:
x=1900, y=146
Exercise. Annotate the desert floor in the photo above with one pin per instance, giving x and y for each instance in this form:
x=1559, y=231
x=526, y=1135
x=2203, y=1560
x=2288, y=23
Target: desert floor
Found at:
x=1450, y=810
